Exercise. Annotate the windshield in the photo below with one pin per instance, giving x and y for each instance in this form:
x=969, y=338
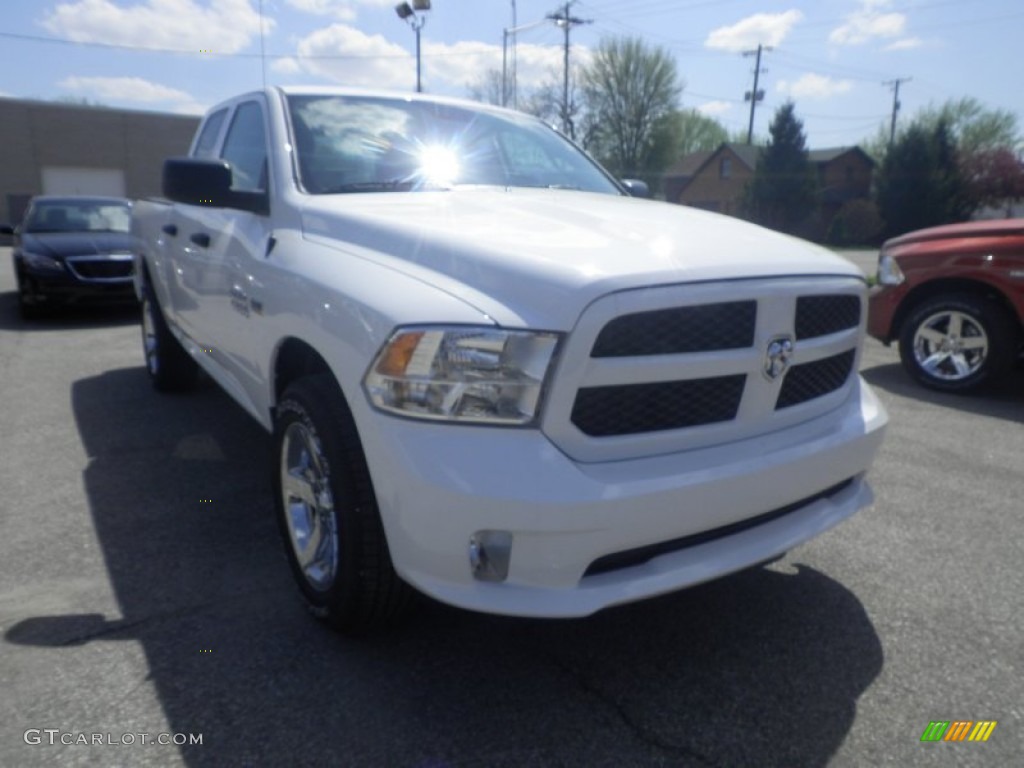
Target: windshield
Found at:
x=363, y=144
x=78, y=216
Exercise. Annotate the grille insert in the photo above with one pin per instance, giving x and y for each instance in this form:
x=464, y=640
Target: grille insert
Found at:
x=635, y=408
x=101, y=269
x=822, y=315
x=702, y=328
x=812, y=380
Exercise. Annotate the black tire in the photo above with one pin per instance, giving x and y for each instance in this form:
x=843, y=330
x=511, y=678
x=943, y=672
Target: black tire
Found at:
x=960, y=361
x=30, y=306
x=170, y=367
x=352, y=587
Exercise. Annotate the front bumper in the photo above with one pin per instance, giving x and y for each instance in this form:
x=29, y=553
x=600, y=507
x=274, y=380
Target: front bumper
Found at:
x=883, y=304
x=65, y=288
x=440, y=485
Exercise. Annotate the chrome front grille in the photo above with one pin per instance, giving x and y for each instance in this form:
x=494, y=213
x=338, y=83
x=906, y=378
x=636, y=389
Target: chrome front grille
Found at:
x=659, y=370
x=109, y=268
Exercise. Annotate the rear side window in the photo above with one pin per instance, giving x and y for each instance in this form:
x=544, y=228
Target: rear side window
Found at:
x=245, y=148
x=211, y=131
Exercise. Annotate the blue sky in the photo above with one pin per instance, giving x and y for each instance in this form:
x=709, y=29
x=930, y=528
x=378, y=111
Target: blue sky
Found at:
x=830, y=56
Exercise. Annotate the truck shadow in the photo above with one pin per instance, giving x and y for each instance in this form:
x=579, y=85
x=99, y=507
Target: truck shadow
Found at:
x=1003, y=399
x=66, y=318
x=765, y=667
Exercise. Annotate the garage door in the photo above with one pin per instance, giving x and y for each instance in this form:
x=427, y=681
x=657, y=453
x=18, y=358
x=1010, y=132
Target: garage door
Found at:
x=63, y=180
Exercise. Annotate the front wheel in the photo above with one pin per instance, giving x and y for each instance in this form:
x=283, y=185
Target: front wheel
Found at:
x=327, y=511
x=956, y=343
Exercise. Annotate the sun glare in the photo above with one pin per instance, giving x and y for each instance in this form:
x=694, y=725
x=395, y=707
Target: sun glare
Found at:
x=439, y=165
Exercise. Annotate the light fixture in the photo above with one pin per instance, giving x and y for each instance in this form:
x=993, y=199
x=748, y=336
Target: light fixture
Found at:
x=413, y=15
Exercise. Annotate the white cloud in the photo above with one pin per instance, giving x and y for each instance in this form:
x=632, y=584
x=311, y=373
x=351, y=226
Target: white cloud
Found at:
x=286, y=66
x=124, y=89
x=868, y=22
x=375, y=62
x=906, y=44
x=342, y=10
x=714, y=108
x=812, y=86
x=223, y=26
x=761, y=28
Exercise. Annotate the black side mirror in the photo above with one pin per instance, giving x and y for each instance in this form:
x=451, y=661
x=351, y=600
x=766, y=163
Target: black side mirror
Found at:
x=6, y=229
x=637, y=188
x=207, y=183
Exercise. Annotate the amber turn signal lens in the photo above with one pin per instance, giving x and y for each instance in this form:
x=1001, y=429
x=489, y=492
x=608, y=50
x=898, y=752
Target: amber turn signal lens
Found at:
x=398, y=354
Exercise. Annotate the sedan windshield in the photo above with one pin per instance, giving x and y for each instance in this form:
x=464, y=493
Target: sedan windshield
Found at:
x=363, y=144
x=78, y=216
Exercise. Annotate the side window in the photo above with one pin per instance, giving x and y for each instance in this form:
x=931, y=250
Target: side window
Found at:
x=211, y=131
x=246, y=148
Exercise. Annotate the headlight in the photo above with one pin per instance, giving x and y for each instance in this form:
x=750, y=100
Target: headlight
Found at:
x=464, y=374
x=42, y=263
x=889, y=272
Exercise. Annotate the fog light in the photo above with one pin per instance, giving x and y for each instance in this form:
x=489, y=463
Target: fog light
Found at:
x=489, y=553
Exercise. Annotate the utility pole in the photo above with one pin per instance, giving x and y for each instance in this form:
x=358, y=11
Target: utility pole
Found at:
x=567, y=22
x=754, y=96
x=895, y=85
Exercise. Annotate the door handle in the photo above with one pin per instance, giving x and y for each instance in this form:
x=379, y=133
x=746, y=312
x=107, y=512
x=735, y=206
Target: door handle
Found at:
x=170, y=229
x=201, y=239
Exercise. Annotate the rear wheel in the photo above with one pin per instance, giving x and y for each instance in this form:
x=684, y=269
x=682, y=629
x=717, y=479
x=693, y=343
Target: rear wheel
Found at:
x=956, y=343
x=170, y=367
x=327, y=511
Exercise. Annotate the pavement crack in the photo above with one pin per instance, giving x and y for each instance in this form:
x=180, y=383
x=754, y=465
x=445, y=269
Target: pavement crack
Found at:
x=640, y=732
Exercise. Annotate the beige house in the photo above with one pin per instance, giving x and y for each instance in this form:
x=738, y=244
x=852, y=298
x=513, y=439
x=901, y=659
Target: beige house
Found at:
x=66, y=149
x=715, y=180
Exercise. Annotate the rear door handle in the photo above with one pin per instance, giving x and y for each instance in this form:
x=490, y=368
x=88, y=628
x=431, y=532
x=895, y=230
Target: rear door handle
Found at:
x=201, y=239
x=170, y=229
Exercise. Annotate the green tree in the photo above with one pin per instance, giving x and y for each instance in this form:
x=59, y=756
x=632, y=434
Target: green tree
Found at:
x=629, y=89
x=783, y=194
x=920, y=182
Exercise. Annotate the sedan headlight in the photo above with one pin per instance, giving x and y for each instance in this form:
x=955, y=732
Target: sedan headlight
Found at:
x=41, y=262
x=889, y=272
x=463, y=374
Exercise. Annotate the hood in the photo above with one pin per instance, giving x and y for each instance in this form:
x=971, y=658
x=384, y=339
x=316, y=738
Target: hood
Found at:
x=536, y=258
x=970, y=229
x=60, y=244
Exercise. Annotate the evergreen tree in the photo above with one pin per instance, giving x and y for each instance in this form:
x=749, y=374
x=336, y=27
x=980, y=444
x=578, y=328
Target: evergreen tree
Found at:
x=784, y=191
x=920, y=183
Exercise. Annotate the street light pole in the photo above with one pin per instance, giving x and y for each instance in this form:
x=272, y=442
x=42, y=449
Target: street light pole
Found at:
x=506, y=88
x=408, y=13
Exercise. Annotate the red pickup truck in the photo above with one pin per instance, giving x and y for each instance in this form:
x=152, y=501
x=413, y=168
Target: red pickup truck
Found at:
x=953, y=297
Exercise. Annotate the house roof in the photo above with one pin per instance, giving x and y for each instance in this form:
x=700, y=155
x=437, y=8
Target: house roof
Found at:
x=689, y=165
x=828, y=155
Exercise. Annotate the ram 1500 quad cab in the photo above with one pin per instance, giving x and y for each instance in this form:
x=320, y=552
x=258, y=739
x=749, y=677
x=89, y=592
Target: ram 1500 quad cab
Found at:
x=491, y=373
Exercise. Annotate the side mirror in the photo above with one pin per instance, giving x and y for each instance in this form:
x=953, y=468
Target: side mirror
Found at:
x=207, y=183
x=6, y=229
x=637, y=188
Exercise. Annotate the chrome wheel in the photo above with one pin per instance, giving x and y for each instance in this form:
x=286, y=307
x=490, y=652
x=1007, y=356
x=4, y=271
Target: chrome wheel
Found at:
x=309, y=506
x=950, y=345
x=150, y=340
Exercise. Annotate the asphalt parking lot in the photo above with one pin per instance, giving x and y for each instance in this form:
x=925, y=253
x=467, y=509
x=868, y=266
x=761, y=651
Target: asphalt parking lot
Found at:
x=143, y=590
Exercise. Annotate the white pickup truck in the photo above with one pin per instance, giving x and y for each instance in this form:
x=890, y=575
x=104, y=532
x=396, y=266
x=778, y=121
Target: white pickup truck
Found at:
x=490, y=372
